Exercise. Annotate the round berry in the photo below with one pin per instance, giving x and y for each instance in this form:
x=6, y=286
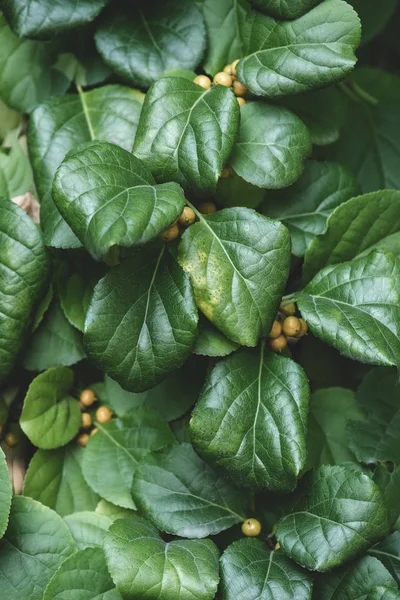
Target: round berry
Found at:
x=239, y=89
x=276, y=330
x=187, y=217
x=233, y=67
x=278, y=344
x=291, y=326
x=223, y=79
x=11, y=439
x=303, y=327
x=251, y=527
x=289, y=309
x=228, y=69
x=82, y=439
x=203, y=81
x=170, y=234
x=207, y=208
x=87, y=397
x=226, y=173
x=241, y=101
x=86, y=420
x=103, y=414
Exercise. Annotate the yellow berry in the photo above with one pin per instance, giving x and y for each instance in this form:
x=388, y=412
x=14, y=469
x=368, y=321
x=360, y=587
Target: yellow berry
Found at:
x=278, y=344
x=251, y=527
x=228, y=69
x=82, y=439
x=87, y=397
x=86, y=420
x=276, y=330
x=226, y=173
x=207, y=208
x=103, y=414
x=239, y=89
x=303, y=328
x=187, y=217
x=289, y=309
x=241, y=101
x=223, y=79
x=94, y=430
x=277, y=546
x=11, y=439
x=170, y=234
x=203, y=81
x=291, y=326
x=233, y=67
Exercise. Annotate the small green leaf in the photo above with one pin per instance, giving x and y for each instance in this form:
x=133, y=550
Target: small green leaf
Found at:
x=143, y=40
x=24, y=278
x=186, y=133
x=388, y=552
x=285, y=9
x=236, y=191
x=36, y=543
x=112, y=454
x=238, y=263
x=112, y=511
x=109, y=198
x=143, y=566
x=15, y=171
x=355, y=307
x=184, y=496
x=50, y=416
x=82, y=576
x=305, y=206
x=109, y=113
x=9, y=120
x=211, y=342
x=251, y=419
x=250, y=570
x=88, y=528
x=152, y=326
x=356, y=227
x=54, y=478
x=376, y=438
x=5, y=494
x=271, y=146
x=339, y=513
x=291, y=57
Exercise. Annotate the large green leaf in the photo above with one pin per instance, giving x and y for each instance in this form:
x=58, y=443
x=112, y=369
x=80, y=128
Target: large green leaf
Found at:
x=250, y=570
x=305, y=206
x=143, y=566
x=285, y=9
x=54, y=343
x=82, y=576
x=24, y=272
x=186, y=133
x=271, y=146
x=331, y=409
x=377, y=438
x=88, y=528
x=388, y=552
x=36, y=543
x=338, y=514
x=44, y=18
x=284, y=58
x=238, y=263
x=112, y=454
x=366, y=579
x=355, y=307
x=224, y=22
x=50, y=416
x=354, y=228
x=251, y=419
x=55, y=479
x=5, y=494
x=109, y=198
x=15, y=171
x=152, y=325
x=109, y=113
x=28, y=71
x=142, y=41
x=183, y=495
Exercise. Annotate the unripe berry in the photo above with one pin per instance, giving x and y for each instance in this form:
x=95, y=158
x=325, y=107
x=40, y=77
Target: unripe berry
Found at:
x=11, y=439
x=82, y=439
x=241, y=101
x=291, y=326
x=207, y=208
x=251, y=527
x=276, y=330
x=303, y=327
x=233, y=67
x=87, y=397
x=239, y=89
x=223, y=79
x=278, y=344
x=103, y=414
x=187, y=217
x=203, y=81
x=289, y=309
x=86, y=420
x=226, y=173
x=170, y=234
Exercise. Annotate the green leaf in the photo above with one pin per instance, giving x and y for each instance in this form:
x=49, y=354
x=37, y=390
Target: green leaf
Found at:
x=5, y=494
x=250, y=570
x=43, y=307
x=286, y=58
x=376, y=84
x=24, y=272
x=360, y=580
x=357, y=226
x=109, y=113
x=376, y=438
x=109, y=198
x=224, y=21
x=285, y=9
x=235, y=191
x=15, y=170
x=143, y=40
x=338, y=514
x=28, y=70
x=389, y=484
x=54, y=343
x=151, y=327
x=50, y=416
x=54, y=478
x=211, y=342
x=82, y=576
x=331, y=409
x=186, y=133
x=271, y=146
x=144, y=566
x=251, y=419
x=374, y=18
x=88, y=528
x=238, y=263
x=355, y=307
x=112, y=511
x=305, y=206
x=36, y=543
x=9, y=120
x=184, y=496
x=388, y=552
x=112, y=454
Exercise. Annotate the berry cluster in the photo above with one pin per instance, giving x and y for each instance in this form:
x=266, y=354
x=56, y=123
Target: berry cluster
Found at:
x=227, y=77
x=286, y=328
x=103, y=415
x=187, y=218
